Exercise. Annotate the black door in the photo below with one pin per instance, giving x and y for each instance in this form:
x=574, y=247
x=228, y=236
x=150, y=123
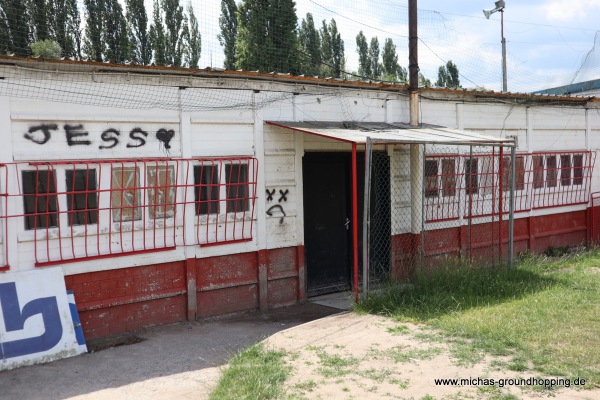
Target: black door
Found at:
x=327, y=222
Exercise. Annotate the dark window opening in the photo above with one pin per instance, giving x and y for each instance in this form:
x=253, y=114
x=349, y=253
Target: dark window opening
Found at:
x=577, y=169
x=82, y=196
x=551, y=172
x=39, y=199
x=565, y=170
x=236, y=176
x=472, y=181
x=206, y=189
x=431, y=178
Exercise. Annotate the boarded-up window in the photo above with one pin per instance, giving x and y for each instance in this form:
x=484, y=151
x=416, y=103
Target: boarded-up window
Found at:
x=431, y=178
x=577, y=169
x=161, y=191
x=39, y=199
x=471, y=178
x=551, y=172
x=126, y=197
x=538, y=172
x=236, y=176
x=519, y=173
x=206, y=189
x=448, y=177
x=565, y=170
x=82, y=196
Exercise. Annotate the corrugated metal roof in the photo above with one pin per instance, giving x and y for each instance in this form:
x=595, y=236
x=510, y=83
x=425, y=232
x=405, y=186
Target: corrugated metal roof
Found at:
x=382, y=133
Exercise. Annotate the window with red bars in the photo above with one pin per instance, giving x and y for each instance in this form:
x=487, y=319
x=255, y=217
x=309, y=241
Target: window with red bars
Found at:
x=224, y=196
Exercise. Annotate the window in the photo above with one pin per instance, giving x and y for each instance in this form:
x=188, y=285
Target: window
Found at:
x=565, y=170
x=448, y=177
x=431, y=178
x=82, y=196
x=577, y=169
x=125, y=196
x=538, y=172
x=551, y=172
x=236, y=176
x=161, y=191
x=39, y=199
x=519, y=173
x=206, y=189
x=471, y=178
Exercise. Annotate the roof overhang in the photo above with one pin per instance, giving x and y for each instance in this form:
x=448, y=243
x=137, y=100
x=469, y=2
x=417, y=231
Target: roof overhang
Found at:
x=397, y=133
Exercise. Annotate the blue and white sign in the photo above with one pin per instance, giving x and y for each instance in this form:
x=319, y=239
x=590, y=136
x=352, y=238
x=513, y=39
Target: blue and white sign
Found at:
x=35, y=319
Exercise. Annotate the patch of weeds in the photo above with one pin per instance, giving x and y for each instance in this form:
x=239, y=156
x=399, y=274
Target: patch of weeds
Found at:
x=518, y=364
x=493, y=393
x=308, y=386
x=398, y=330
x=375, y=353
x=427, y=397
x=400, y=354
x=339, y=346
x=335, y=365
x=458, y=396
x=296, y=396
x=345, y=389
x=293, y=356
x=465, y=354
x=402, y=383
x=255, y=373
x=377, y=375
x=314, y=348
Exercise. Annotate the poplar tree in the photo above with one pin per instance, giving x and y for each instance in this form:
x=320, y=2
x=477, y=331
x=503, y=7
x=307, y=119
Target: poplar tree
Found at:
x=193, y=39
x=93, y=43
x=115, y=33
x=448, y=76
x=174, y=28
x=15, y=26
x=139, y=37
x=392, y=70
x=157, y=36
x=40, y=19
x=229, y=30
x=337, y=47
x=310, y=46
x=267, y=36
x=364, y=61
x=374, y=58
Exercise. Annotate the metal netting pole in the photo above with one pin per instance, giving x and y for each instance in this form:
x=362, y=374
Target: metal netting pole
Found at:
x=423, y=200
x=511, y=207
x=366, y=220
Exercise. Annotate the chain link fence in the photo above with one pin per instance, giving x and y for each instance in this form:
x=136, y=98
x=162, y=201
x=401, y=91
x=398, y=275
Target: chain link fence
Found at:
x=431, y=205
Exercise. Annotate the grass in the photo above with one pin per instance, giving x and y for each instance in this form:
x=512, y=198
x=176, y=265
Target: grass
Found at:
x=545, y=312
x=255, y=373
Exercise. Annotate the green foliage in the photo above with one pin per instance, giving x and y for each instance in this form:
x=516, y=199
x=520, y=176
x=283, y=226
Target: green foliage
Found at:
x=364, y=61
x=193, y=39
x=158, y=39
x=46, y=48
x=255, y=373
x=139, y=37
x=15, y=27
x=94, y=44
x=174, y=23
x=115, y=33
x=267, y=39
x=376, y=69
x=310, y=47
x=424, y=82
x=229, y=29
x=448, y=76
x=332, y=50
x=392, y=71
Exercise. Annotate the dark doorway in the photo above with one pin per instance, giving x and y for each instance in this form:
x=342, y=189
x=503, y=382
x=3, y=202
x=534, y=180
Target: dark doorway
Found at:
x=327, y=219
x=327, y=224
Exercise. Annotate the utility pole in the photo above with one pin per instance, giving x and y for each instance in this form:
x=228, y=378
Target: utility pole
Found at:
x=413, y=62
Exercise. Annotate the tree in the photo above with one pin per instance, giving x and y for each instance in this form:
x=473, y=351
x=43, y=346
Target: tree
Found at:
x=229, y=30
x=392, y=71
x=364, y=62
x=424, y=82
x=376, y=70
x=73, y=30
x=139, y=37
x=337, y=50
x=46, y=48
x=15, y=29
x=310, y=46
x=115, y=33
x=174, y=23
x=448, y=76
x=193, y=39
x=157, y=36
x=93, y=43
x=40, y=19
x=267, y=38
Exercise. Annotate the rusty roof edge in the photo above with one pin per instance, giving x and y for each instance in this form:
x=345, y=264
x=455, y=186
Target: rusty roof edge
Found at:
x=438, y=93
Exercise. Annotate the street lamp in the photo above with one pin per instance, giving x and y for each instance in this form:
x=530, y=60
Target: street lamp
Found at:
x=500, y=7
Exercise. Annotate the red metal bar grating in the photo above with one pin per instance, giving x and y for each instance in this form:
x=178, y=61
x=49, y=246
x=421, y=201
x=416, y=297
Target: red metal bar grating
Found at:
x=83, y=210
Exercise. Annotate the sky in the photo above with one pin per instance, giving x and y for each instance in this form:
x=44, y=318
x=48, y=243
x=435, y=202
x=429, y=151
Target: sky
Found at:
x=547, y=40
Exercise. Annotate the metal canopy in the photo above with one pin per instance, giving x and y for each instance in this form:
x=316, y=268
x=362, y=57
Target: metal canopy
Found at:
x=383, y=133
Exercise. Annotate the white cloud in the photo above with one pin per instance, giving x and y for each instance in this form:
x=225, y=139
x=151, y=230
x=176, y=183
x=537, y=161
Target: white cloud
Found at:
x=568, y=10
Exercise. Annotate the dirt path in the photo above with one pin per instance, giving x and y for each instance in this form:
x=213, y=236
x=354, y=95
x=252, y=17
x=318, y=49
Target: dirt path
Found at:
x=350, y=356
